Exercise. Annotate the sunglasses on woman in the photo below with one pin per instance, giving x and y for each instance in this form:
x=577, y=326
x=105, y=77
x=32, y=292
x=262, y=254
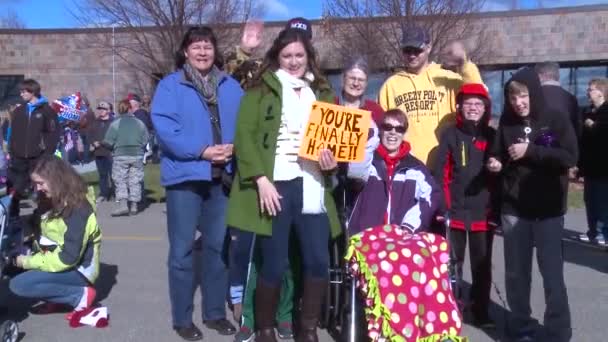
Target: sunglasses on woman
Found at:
x=388, y=127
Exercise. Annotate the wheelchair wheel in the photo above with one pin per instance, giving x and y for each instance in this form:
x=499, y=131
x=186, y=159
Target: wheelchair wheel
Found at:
x=9, y=331
x=332, y=301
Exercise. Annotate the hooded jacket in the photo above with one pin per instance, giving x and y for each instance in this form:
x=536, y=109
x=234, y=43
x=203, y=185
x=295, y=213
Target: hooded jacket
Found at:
x=535, y=186
x=69, y=242
x=405, y=194
x=34, y=130
x=429, y=101
x=460, y=167
x=592, y=164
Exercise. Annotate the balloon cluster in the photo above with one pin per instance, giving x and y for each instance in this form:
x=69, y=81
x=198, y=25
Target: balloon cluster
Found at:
x=70, y=108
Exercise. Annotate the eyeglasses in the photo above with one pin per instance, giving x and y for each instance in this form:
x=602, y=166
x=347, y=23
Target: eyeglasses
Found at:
x=386, y=127
x=411, y=51
x=473, y=104
x=354, y=79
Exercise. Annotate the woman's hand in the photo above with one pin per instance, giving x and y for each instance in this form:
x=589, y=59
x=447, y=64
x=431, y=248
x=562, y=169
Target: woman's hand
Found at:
x=252, y=36
x=19, y=261
x=327, y=161
x=218, y=154
x=270, y=200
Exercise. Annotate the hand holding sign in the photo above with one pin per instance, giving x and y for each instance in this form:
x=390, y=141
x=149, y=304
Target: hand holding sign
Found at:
x=341, y=130
x=327, y=161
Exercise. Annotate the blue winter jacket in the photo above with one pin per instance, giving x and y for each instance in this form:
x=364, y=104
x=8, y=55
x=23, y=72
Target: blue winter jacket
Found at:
x=181, y=119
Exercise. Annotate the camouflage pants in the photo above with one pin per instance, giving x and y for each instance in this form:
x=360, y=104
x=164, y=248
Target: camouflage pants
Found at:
x=128, y=175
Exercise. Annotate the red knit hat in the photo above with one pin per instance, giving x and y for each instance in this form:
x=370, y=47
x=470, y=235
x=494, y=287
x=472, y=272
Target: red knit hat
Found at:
x=474, y=89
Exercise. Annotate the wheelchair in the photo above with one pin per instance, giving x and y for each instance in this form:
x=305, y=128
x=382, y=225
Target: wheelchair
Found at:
x=343, y=310
x=11, y=239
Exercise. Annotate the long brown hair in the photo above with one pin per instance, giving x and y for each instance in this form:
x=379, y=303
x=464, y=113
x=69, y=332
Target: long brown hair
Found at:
x=271, y=60
x=67, y=190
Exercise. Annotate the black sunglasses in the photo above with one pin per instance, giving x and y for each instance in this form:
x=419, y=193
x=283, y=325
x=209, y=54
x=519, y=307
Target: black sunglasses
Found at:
x=411, y=50
x=388, y=127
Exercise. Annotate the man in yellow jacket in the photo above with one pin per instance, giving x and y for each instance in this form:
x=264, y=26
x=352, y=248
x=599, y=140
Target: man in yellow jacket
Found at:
x=426, y=91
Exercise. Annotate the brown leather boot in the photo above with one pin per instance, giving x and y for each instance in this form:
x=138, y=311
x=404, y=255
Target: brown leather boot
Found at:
x=312, y=298
x=266, y=301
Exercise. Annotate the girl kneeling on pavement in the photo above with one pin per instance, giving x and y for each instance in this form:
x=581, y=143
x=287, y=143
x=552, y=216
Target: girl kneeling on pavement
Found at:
x=275, y=191
x=65, y=263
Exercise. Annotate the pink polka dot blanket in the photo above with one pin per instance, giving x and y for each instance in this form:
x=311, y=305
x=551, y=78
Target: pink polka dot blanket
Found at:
x=404, y=280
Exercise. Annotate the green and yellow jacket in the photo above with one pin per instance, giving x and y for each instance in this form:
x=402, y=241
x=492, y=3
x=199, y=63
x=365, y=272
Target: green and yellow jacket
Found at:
x=69, y=242
x=255, y=146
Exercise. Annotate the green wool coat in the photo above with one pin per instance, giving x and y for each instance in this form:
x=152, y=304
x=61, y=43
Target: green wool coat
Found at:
x=255, y=144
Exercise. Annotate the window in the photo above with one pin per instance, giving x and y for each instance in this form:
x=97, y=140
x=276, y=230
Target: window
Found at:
x=9, y=89
x=374, y=82
x=583, y=76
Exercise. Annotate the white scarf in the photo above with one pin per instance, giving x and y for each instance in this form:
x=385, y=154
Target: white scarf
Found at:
x=296, y=111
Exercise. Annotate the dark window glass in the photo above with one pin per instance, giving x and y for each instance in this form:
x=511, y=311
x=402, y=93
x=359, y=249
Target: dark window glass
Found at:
x=583, y=76
x=9, y=89
x=374, y=82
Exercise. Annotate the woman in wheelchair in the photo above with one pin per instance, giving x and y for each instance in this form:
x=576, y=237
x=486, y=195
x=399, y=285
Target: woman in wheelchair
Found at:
x=401, y=269
x=65, y=263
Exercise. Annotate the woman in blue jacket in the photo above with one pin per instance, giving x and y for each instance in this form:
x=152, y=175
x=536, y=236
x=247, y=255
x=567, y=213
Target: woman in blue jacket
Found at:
x=194, y=114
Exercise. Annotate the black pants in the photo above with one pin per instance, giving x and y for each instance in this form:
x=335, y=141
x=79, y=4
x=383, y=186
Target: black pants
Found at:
x=104, y=169
x=480, y=252
x=19, y=172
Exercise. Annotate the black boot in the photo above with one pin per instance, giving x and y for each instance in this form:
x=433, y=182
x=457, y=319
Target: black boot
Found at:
x=312, y=299
x=266, y=301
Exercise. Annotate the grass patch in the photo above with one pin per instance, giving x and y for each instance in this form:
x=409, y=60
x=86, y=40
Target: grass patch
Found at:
x=154, y=191
x=575, y=196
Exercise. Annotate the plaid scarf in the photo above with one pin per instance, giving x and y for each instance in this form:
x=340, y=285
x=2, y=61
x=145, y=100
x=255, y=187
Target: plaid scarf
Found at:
x=206, y=86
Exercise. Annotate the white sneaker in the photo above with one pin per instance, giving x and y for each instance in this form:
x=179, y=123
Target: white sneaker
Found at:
x=584, y=238
x=601, y=240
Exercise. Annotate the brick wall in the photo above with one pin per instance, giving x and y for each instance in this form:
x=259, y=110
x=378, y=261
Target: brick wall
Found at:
x=64, y=62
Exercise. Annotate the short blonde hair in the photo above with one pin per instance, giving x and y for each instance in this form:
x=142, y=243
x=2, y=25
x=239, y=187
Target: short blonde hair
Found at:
x=601, y=84
x=516, y=88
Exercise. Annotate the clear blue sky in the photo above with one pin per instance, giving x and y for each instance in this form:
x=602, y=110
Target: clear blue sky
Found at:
x=55, y=13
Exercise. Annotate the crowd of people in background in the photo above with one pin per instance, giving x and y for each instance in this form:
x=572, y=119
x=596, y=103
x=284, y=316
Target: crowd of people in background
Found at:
x=227, y=132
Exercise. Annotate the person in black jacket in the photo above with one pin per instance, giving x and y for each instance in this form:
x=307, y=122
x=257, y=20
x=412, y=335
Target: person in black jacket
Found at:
x=561, y=99
x=592, y=165
x=466, y=186
x=103, y=155
x=34, y=132
x=533, y=150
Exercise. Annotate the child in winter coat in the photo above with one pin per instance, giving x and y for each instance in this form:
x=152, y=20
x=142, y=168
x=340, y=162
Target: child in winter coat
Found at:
x=465, y=181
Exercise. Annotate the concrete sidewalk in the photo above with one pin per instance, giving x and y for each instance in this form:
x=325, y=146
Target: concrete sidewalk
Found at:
x=133, y=284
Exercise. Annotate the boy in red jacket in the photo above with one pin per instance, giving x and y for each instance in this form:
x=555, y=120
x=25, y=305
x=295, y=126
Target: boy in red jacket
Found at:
x=461, y=172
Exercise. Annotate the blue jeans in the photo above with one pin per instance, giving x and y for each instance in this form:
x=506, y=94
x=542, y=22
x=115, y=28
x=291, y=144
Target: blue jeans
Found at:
x=104, y=169
x=240, y=255
x=312, y=231
x=191, y=206
x=596, y=205
x=61, y=287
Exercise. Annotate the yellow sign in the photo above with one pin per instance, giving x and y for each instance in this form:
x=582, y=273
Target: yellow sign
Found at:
x=340, y=129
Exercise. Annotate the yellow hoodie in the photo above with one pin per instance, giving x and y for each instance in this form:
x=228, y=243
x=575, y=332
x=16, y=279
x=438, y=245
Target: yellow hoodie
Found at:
x=429, y=100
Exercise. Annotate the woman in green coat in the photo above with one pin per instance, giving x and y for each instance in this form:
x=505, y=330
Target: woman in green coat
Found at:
x=274, y=190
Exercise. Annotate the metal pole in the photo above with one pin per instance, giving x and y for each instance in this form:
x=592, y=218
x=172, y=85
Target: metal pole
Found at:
x=113, y=69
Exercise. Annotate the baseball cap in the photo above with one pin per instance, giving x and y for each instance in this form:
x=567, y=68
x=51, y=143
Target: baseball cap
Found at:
x=300, y=23
x=415, y=36
x=133, y=97
x=104, y=105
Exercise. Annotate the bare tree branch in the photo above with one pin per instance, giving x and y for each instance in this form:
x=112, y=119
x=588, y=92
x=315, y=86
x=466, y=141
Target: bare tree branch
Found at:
x=11, y=19
x=374, y=28
x=151, y=30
